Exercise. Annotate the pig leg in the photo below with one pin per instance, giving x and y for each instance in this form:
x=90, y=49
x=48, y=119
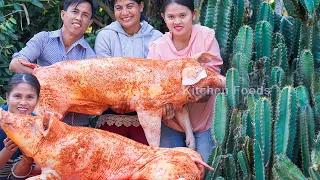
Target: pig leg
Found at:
x=184, y=121
x=151, y=124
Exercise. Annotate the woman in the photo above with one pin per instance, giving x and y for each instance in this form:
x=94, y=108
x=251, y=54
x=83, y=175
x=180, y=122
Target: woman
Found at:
x=128, y=36
x=185, y=40
x=22, y=97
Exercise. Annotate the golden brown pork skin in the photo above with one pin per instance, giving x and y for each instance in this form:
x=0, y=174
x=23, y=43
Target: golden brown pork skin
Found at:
x=67, y=152
x=91, y=86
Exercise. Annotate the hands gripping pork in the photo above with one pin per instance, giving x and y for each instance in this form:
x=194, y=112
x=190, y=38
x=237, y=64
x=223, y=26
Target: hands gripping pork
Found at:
x=91, y=86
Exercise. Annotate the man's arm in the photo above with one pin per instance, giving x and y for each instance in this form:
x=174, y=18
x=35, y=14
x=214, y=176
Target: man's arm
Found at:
x=17, y=67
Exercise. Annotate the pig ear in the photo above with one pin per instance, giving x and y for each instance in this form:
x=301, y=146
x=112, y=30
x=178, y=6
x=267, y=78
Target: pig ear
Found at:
x=47, y=120
x=192, y=75
x=203, y=57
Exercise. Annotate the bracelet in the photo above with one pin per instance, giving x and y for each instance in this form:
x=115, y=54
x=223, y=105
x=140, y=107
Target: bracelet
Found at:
x=12, y=171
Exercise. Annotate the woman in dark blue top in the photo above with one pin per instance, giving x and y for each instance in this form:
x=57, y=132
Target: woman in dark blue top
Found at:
x=22, y=97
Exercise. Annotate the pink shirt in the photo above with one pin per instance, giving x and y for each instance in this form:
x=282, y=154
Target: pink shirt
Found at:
x=202, y=40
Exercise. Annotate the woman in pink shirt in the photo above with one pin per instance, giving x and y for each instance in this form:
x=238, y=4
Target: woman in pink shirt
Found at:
x=186, y=40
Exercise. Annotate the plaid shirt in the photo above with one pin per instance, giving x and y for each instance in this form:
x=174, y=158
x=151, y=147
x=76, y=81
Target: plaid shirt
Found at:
x=48, y=48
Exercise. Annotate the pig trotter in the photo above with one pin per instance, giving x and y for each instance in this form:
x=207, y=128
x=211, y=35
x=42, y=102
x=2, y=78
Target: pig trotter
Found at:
x=190, y=140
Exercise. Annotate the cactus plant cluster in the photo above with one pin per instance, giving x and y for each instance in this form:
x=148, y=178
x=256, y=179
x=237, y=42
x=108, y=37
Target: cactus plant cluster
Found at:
x=266, y=124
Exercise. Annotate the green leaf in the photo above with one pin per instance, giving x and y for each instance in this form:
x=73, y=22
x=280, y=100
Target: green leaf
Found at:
x=17, y=6
x=37, y=3
x=1, y=3
x=12, y=20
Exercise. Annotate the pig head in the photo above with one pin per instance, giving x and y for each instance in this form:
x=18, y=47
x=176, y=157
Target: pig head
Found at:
x=91, y=86
x=66, y=152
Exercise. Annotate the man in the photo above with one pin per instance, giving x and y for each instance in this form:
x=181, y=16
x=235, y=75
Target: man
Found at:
x=63, y=44
x=51, y=47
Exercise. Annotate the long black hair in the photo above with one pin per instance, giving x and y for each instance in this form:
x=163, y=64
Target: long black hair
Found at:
x=23, y=78
x=188, y=3
x=143, y=17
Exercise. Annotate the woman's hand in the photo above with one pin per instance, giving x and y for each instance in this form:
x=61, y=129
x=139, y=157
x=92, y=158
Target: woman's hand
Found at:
x=10, y=145
x=198, y=95
x=168, y=111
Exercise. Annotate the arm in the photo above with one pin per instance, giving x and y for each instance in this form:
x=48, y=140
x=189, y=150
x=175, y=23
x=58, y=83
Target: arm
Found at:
x=18, y=67
x=23, y=168
x=29, y=53
x=102, y=44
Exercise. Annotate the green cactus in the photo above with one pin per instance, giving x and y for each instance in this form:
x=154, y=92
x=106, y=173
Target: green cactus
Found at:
x=316, y=43
x=275, y=90
x=230, y=135
x=233, y=87
x=294, y=8
x=254, y=6
x=237, y=13
x=258, y=161
x=304, y=118
x=262, y=119
x=279, y=57
x=277, y=39
x=308, y=5
x=284, y=169
x=315, y=154
x=285, y=127
x=220, y=120
x=240, y=63
x=290, y=29
x=316, y=92
x=244, y=164
x=277, y=21
x=217, y=164
x=247, y=124
x=277, y=77
x=203, y=11
x=314, y=173
x=305, y=41
x=303, y=96
x=218, y=18
x=316, y=117
x=244, y=42
x=252, y=100
x=306, y=68
x=214, y=161
x=263, y=39
x=266, y=14
x=230, y=166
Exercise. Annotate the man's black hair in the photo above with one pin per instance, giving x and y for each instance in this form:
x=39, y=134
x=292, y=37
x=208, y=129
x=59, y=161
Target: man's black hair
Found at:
x=94, y=5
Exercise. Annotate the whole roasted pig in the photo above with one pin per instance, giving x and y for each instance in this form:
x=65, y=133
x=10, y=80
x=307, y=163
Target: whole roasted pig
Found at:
x=91, y=86
x=80, y=153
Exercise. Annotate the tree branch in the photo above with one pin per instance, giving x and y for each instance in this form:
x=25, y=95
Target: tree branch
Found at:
x=107, y=9
x=100, y=24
